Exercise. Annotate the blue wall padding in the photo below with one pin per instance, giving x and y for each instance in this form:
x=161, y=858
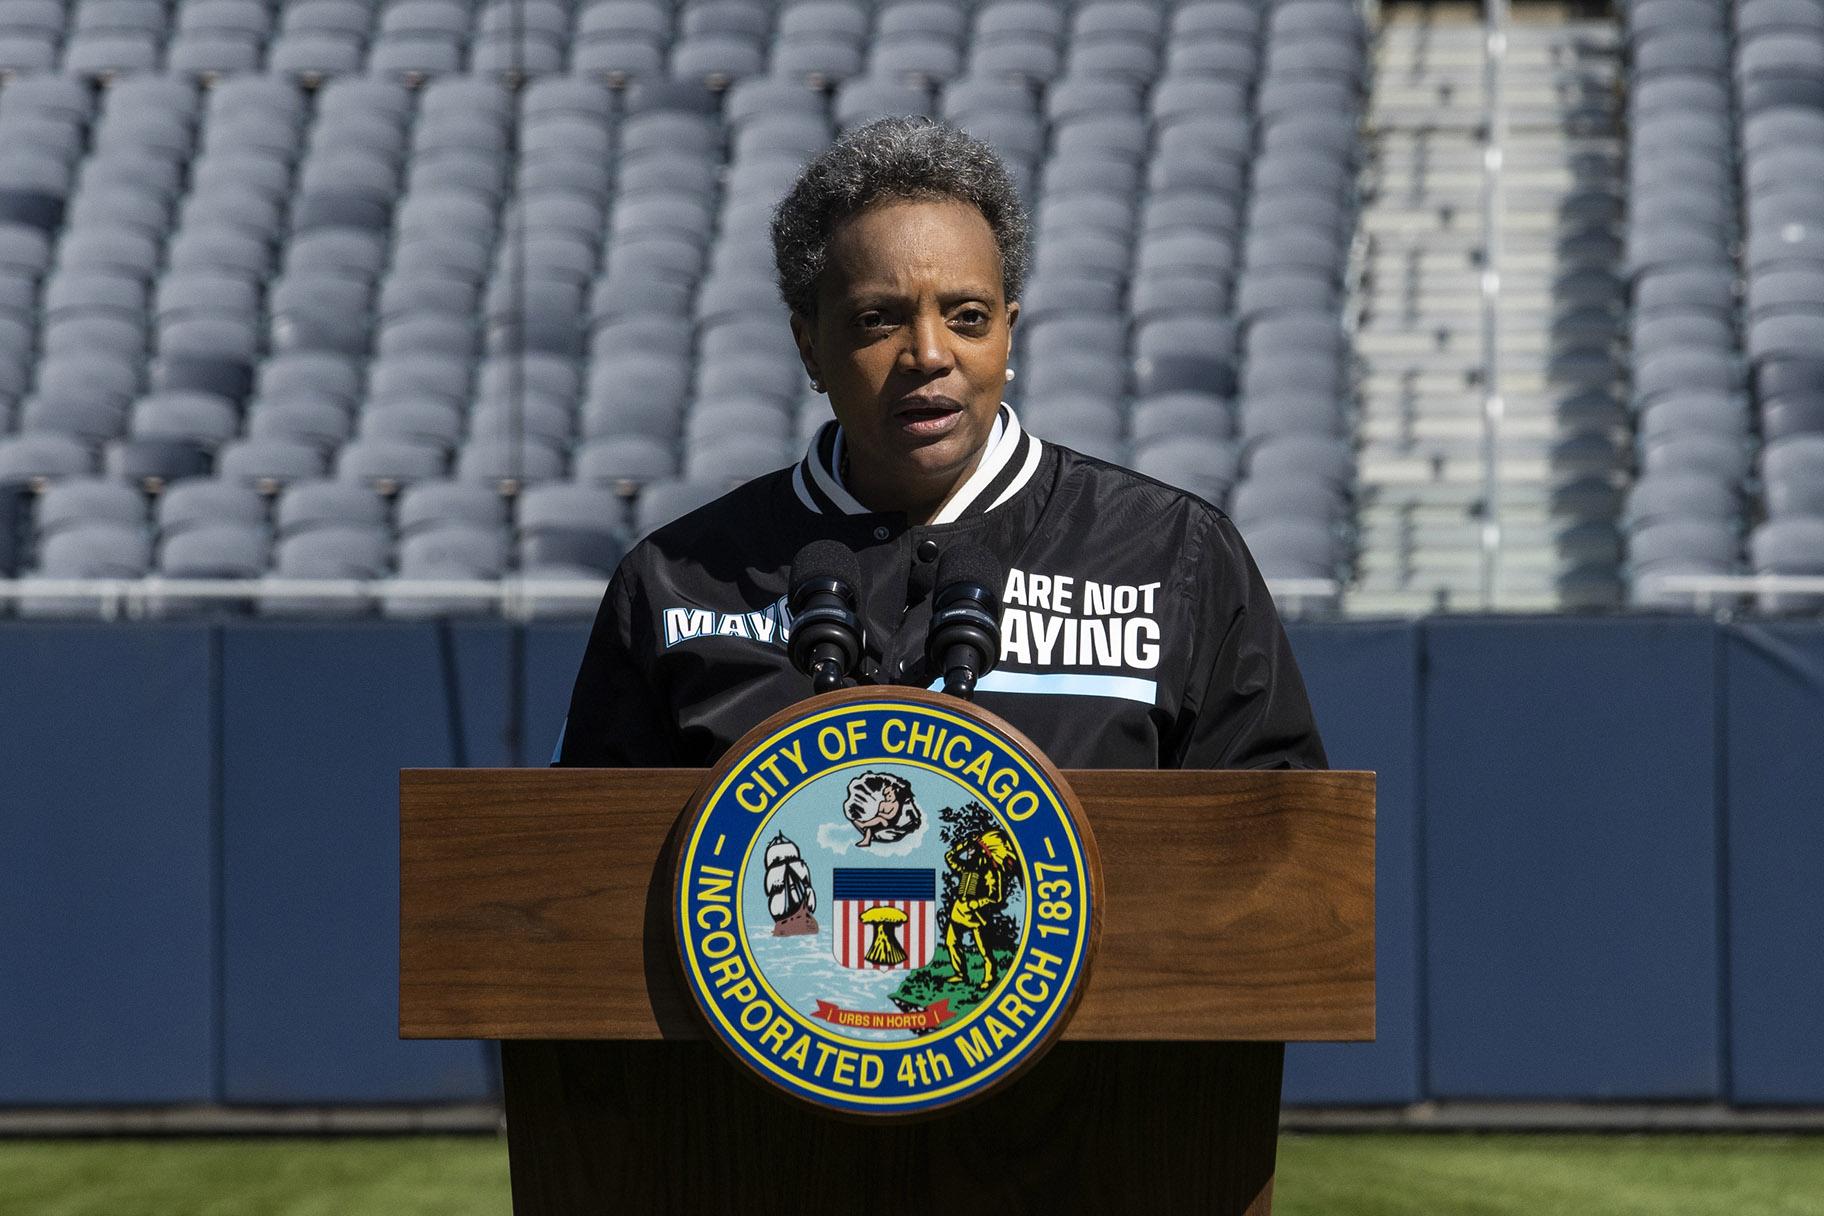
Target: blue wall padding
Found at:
x=1775, y=695
x=199, y=854
x=107, y=908
x=1571, y=871
x=1364, y=685
x=481, y=652
x=317, y=723
x=554, y=651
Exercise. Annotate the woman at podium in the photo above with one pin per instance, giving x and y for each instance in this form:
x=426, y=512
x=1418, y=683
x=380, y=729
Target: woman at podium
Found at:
x=1135, y=630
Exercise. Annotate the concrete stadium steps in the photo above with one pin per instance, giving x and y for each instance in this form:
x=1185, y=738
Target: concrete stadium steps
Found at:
x=1465, y=501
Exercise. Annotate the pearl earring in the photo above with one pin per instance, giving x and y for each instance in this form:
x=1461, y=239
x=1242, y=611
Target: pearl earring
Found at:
x=1010, y=373
x=816, y=385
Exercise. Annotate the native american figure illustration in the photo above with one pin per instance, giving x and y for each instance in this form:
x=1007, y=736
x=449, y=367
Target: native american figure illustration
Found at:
x=880, y=806
x=982, y=864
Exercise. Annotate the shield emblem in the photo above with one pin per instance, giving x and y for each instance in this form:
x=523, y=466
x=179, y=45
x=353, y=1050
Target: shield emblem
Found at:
x=886, y=919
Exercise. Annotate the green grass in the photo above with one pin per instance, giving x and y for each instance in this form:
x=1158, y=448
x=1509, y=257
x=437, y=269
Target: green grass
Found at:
x=405, y=1176
x=1471, y=1175
x=1353, y=1175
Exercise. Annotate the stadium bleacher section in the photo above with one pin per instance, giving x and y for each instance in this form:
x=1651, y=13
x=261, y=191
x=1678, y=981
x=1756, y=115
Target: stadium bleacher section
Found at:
x=1778, y=68
x=1724, y=237
x=449, y=251
x=1684, y=511
x=484, y=247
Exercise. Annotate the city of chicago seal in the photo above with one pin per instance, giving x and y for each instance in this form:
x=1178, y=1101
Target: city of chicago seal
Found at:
x=885, y=902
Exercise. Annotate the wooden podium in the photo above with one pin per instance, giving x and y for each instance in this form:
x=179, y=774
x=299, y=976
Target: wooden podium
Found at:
x=1238, y=913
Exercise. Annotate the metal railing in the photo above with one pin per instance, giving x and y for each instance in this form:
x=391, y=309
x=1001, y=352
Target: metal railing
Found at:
x=513, y=597
x=136, y=598
x=1706, y=590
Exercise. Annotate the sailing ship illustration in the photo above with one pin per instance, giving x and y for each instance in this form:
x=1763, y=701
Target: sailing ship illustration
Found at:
x=789, y=896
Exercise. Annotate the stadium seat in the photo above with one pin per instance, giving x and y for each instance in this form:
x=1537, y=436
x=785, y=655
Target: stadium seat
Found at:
x=79, y=501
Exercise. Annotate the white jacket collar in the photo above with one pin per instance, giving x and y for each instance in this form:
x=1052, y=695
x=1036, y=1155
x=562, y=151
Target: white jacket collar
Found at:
x=1008, y=462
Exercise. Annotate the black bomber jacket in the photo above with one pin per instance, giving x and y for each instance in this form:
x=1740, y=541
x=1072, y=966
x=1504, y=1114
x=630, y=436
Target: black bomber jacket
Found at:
x=1136, y=631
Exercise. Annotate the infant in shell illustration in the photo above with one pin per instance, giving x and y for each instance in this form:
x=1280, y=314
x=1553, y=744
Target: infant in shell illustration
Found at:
x=880, y=806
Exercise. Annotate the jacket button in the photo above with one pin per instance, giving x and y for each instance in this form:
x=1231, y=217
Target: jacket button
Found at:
x=927, y=550
x=881, y=534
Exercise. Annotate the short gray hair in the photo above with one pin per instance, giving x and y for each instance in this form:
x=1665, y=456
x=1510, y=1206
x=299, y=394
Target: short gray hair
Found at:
x=893, y=158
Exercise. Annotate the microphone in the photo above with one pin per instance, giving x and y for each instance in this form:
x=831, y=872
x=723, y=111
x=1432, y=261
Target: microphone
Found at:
x=965, y=637
x=826, y=630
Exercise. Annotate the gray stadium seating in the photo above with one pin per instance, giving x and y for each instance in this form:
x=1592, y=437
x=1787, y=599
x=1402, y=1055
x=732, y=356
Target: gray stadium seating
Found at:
x=347, y=280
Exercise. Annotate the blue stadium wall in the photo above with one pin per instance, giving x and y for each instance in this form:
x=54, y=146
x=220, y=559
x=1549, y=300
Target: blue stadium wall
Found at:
x=1599, y=849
